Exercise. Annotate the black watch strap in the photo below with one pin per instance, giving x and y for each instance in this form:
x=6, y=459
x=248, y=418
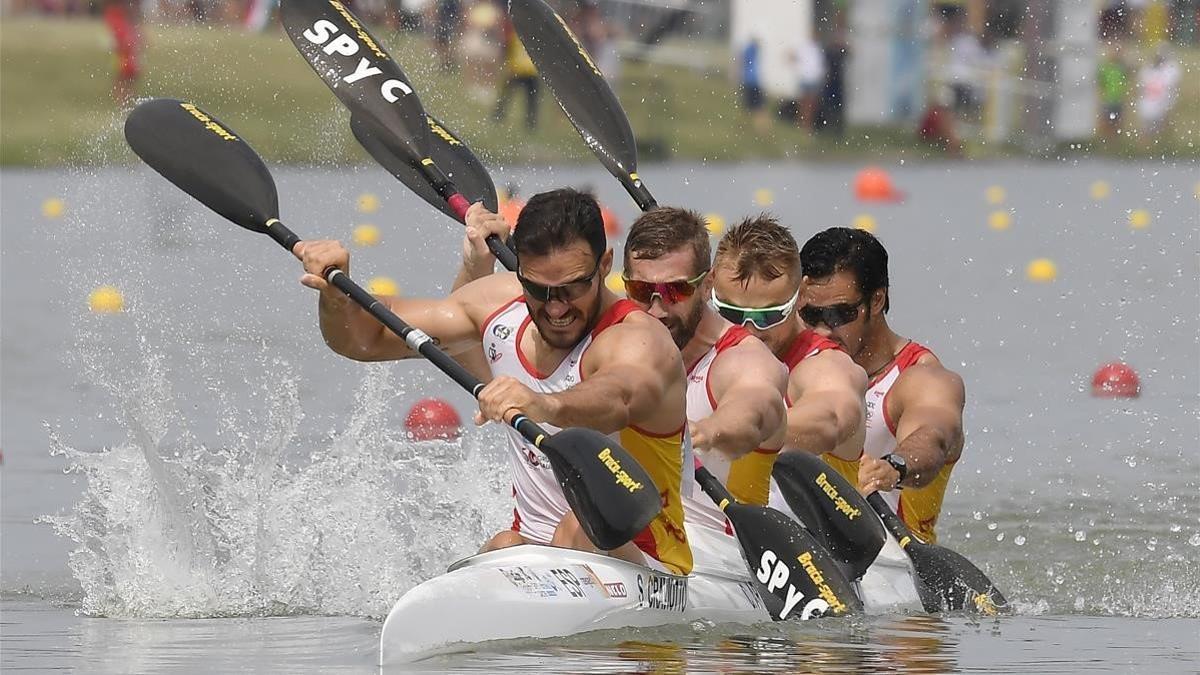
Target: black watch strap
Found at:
x=898, y=464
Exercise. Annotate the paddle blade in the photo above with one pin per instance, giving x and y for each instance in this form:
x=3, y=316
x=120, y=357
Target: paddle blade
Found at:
x=956, y=581
x=577, y=85
x=609, y=491
x=447, y=151
x=795, y=575
x=205, y=159
x=831, y=508
x=357, y=69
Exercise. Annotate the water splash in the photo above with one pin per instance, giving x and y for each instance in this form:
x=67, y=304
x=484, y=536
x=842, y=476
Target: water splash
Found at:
x=170, y=527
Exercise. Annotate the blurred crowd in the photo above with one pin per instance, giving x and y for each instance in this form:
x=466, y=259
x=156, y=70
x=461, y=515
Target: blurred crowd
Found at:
x=1138, y=77
x=472, y=36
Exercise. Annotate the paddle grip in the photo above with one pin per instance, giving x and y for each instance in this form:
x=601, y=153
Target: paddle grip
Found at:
x=418, y=340
x=637, y=189
x=712, y=486
x=890, y=520
x=502, y=252
x=285, y=237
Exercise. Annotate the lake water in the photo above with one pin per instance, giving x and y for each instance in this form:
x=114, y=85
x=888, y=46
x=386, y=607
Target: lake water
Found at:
x=198, y=484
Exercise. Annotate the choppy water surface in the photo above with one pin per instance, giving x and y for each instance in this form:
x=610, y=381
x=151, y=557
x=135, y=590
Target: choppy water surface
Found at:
x=198, y=484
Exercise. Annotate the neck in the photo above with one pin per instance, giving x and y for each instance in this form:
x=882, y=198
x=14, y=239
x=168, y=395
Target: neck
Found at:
x=710, y=329
x=794, y=328
x=879, y=348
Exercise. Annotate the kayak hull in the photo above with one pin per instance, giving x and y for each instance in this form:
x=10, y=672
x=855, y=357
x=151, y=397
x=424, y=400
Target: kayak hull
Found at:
x=533, y=591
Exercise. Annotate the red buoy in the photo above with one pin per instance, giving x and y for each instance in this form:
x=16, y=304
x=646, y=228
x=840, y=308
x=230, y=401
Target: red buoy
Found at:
x=612, y=226
x=873, y=184
x=1115, y=380
x=433, y=418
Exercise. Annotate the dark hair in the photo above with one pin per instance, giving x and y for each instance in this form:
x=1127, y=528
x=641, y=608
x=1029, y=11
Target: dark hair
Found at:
x=664, y=229
x=554, y=220
x=852, y=250
x=760, y=247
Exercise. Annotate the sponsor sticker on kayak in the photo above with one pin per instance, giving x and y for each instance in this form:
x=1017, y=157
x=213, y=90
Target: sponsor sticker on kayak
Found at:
x=565, y=581
x=662, y=591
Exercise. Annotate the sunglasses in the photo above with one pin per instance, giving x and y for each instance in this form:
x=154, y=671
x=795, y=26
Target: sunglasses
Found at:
x=671, y=292
x=833, y=316
x=761, y=317
x=568, y=292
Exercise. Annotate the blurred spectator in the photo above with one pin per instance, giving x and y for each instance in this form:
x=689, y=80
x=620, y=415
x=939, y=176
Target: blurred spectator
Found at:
x=598, y=38
x=519, y=73
x=121, y=17
x=937, y=125
x=831, y=115
x=480, y=48
x=809, y=61
x=966, y=61
x=1158, y=87
x=752, y=93
x=447, y=15
x=1113, y=80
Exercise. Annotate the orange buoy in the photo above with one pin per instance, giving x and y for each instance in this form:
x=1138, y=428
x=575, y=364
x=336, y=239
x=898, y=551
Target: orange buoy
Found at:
x=433, y=418
x=1115, y=380
x=612, y=226
x=510, y=209
x=873, y=184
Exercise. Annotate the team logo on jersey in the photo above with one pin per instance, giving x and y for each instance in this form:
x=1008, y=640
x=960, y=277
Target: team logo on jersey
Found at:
x=493, y=354
x=501, y=331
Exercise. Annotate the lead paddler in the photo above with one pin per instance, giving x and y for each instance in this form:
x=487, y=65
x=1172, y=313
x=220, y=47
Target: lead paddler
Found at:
x=562, y=349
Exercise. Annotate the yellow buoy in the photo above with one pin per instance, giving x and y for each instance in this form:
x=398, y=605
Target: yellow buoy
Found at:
x=615, y=283
x=999, y=220
x=106, y=300
x=994, y=194
x=53, y=207
x=1041, y=270
x=368, y=203
x=764, y=197
x=1100, y=190
x=1139, y=219
x=382, y=286
x=715, y=224
x=864, y=222
x=366, y=235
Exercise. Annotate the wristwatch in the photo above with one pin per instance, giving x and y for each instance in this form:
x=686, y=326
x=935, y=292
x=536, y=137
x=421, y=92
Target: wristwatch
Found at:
x=898, y=464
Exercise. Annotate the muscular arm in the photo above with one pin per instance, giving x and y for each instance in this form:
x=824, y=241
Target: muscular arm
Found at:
x=633, y=374
x=927, y=404
x=748, y=383
x=827, y=411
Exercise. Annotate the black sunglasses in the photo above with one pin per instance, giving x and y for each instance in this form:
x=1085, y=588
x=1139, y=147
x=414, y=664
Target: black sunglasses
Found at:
x=568, y=292
x=833, y=316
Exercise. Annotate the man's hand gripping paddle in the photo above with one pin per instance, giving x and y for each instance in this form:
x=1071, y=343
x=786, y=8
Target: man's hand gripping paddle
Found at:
x=611, y=494
x=387, y=118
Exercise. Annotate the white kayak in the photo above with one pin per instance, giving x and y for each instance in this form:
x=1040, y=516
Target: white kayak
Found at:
x=545, y=592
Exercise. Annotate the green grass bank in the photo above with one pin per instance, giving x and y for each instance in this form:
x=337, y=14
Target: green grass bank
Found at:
x=56, y=106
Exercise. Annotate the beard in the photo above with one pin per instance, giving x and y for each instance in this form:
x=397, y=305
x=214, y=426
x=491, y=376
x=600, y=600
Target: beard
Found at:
x=567, y=337
x=683, y=330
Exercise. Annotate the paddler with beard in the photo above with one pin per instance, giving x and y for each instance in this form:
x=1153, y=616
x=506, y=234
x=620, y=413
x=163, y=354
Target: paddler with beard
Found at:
x=735, y=386
x=914, y=429
x=562, y=349
x=756, y=284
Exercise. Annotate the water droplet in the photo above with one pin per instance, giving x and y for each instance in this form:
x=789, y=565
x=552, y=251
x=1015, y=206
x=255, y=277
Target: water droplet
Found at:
x=1019, y=540
x=1079, y=603
x=977, y=515
x=1175, y=527
x=1131, y=461
x=1194, y=540
x=1000, y=537
x=992, y=526
x=1080, y=535
x=1152, y=544
x=1058, y=580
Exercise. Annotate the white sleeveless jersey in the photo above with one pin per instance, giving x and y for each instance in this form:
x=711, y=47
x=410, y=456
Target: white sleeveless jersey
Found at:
x=881, y=435
x=698, y=507
x=540, y=503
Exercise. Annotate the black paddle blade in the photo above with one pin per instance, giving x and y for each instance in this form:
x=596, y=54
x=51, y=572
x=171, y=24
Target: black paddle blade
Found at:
x=958, y=583
x=205, y=159
x=358, y=70
x=447, y=151
x=951, y=582
x=610, y=493
x=577, y=85
x=831, y=508
x=795, y=575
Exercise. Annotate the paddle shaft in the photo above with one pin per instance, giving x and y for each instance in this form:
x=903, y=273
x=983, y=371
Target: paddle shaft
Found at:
x=446, y=188
x=637, y=189
x=890, y=520
x=416, y=339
